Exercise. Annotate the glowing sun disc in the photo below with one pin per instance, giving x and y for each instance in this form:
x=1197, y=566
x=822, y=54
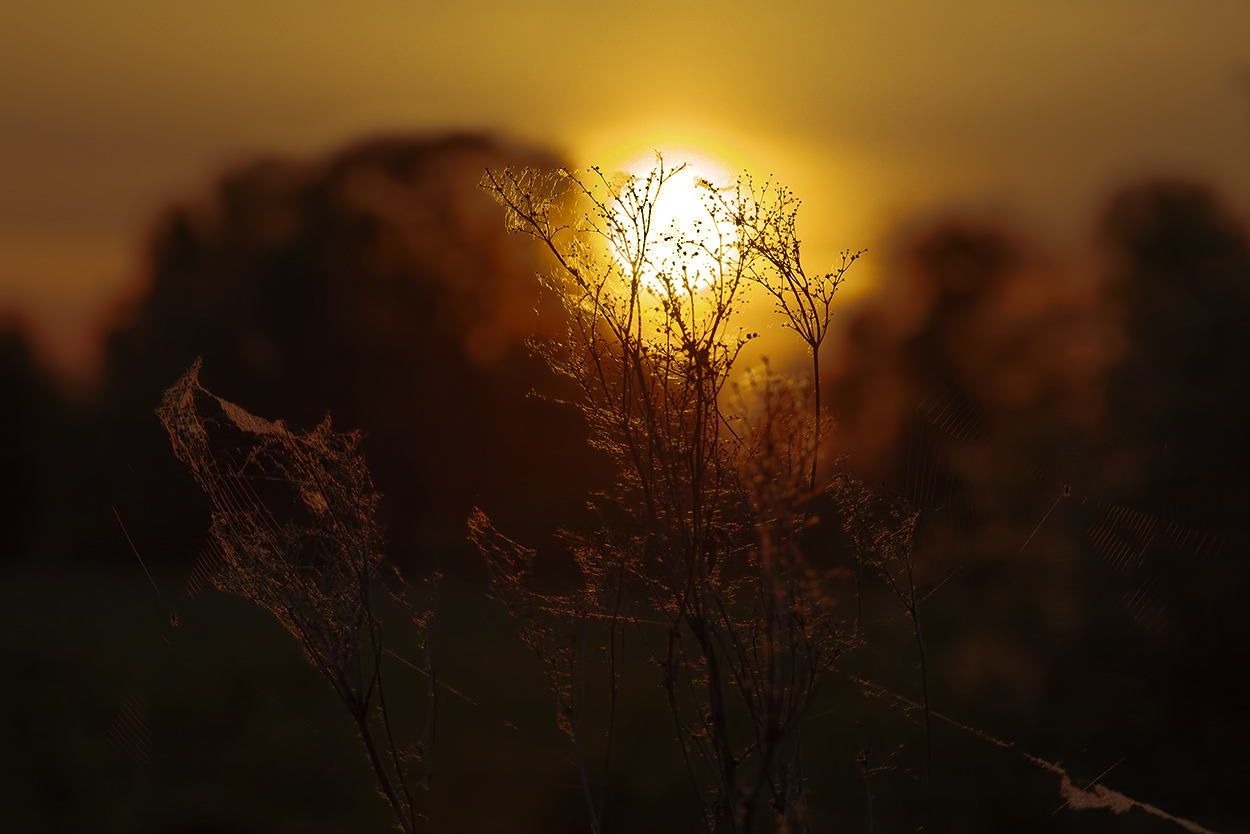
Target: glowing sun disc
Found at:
x=680, y=222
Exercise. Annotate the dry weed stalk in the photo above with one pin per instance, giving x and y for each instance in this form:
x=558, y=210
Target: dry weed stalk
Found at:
x=699, y=549
x=769, y=218
x=560, y=628
x=883, y=530
x=294, y=526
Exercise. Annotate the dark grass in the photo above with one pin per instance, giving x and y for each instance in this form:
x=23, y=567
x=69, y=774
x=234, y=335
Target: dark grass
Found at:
x=247, y=737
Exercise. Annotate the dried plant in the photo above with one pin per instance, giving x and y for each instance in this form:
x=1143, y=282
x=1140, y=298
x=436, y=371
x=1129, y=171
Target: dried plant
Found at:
x=295, y=532
x=883, y=530
x=560, y=628
x=769, y=218
x=699, y=546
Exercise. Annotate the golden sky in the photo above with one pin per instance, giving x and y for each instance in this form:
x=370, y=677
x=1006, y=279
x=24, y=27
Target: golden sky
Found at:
x=870, y=111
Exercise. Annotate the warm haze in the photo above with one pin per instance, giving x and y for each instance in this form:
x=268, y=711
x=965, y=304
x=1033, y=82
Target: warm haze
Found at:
x=871, y=112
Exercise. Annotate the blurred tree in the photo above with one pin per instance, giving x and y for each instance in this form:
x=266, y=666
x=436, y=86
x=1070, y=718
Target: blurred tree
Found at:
x=376, y=284
x=37, y=447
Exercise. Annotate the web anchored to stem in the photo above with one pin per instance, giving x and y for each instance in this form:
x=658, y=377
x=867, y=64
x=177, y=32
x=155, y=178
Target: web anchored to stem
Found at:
x=294, y=531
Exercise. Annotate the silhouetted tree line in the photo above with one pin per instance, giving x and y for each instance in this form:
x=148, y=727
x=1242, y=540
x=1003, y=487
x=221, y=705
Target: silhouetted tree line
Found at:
x=995, y=392
x=1012, y=380
x=35, y=464
x=377, y=286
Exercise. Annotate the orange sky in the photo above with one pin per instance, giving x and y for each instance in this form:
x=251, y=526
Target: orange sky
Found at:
x=870, y=111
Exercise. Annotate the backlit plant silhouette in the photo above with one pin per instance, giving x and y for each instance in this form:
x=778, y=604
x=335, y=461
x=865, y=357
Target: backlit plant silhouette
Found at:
x=699, y=548
x=768, y=219
x=294, y=531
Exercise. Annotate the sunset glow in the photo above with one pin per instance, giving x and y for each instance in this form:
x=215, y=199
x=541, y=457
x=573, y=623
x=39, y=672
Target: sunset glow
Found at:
x=683, y=230
x=115, y=110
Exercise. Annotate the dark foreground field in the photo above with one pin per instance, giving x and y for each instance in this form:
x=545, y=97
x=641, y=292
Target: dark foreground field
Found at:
x=114, y=720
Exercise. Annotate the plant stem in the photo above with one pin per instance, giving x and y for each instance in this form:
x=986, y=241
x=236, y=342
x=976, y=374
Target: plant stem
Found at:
x=361, y=715
x=816, y=406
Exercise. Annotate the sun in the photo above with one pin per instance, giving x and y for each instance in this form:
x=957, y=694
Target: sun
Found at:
x=683, y=231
